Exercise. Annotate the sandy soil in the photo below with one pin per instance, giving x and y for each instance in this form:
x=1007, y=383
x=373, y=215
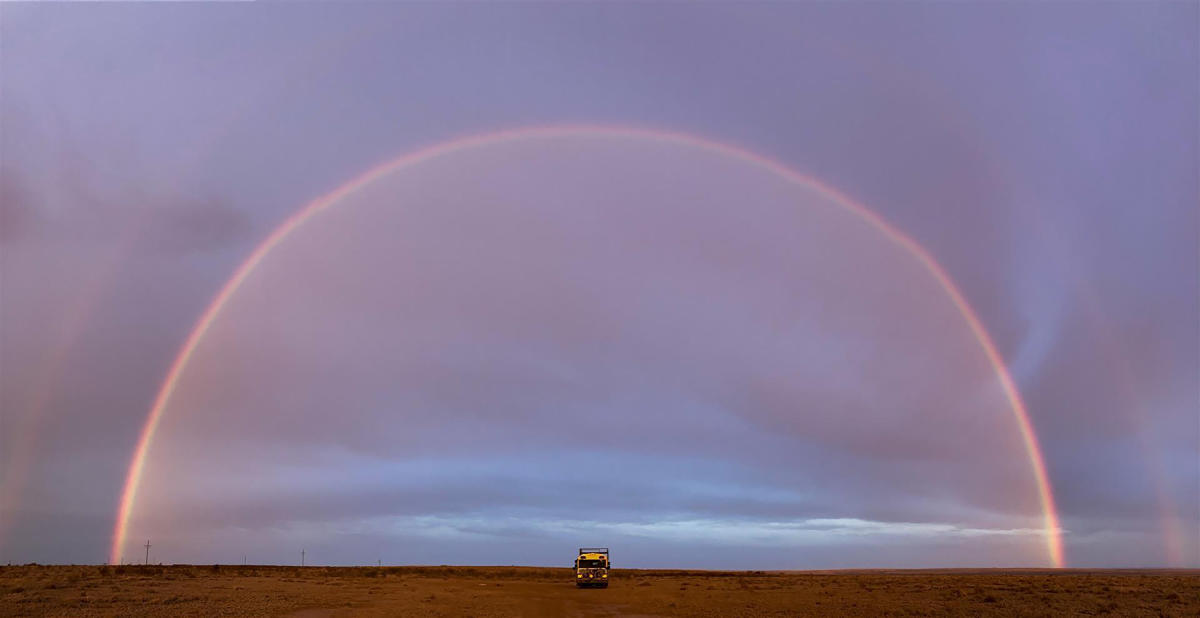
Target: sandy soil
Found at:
x=317, y=592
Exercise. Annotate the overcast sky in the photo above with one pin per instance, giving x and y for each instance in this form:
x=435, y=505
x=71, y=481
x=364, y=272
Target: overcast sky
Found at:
x=513, y=350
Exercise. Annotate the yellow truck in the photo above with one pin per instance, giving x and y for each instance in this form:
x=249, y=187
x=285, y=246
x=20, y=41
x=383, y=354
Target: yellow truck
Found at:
x=591, y=567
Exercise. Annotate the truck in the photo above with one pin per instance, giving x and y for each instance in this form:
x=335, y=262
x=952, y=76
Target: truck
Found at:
x=591, y=567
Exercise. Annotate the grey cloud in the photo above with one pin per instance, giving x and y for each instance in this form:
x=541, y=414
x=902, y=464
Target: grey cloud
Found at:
x=17, y=214
x=199, y=226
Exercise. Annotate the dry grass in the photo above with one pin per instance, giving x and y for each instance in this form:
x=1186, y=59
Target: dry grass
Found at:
x=529, y=591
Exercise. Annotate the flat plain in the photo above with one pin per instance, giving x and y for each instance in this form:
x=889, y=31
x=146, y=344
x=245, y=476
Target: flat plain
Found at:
x=316, y=592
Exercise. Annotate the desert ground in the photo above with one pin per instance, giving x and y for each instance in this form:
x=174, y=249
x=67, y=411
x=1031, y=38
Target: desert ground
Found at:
x=314, y=592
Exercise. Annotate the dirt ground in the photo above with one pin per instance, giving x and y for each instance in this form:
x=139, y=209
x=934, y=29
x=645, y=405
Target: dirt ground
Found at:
x=316, y=592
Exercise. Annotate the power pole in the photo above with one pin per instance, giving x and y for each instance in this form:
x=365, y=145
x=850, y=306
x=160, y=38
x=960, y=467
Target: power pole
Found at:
x=147, y=551
x=302, y=557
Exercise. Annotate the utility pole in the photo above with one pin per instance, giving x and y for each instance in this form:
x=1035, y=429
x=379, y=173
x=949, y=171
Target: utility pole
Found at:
x=302, y=557
x=147, y=551
x=243, y=560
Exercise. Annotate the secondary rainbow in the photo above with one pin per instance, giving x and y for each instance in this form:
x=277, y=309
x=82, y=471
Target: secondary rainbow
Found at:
x=1052, y=531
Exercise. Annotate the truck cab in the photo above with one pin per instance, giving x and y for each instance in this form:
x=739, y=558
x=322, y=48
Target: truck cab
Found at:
x=591, y=567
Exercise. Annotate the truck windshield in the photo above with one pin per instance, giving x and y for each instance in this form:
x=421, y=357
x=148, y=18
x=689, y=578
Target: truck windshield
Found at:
x=591, y=564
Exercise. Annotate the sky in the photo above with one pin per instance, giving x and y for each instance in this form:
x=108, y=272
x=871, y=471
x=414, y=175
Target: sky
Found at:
x=677, y=304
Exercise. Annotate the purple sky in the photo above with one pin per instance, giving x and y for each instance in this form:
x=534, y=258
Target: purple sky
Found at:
x=504, y=354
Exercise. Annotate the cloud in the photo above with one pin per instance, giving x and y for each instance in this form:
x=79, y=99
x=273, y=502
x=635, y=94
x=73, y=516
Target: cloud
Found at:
x=197, y=226
x=17, y=215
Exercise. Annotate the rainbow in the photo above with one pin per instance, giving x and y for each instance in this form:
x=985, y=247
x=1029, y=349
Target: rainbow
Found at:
x=1052, y=531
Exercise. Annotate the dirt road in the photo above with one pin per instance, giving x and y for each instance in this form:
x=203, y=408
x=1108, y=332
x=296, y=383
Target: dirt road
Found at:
x=319, y=592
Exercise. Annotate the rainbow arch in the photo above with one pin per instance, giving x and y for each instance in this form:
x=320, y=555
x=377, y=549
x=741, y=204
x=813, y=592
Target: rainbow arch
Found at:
x=1051, y=529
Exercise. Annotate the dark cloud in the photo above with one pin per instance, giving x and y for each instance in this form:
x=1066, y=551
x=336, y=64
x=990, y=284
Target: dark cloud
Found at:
x=17, y=214
x=196, y=227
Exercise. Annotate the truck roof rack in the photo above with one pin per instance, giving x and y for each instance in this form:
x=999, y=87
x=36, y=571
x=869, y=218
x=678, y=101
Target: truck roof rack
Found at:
x=593, y=550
